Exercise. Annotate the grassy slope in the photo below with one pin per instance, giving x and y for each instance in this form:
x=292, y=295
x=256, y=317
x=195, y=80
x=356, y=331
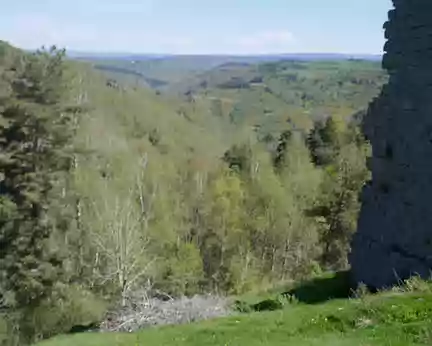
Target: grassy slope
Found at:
x=321, y=315
x=386, y=319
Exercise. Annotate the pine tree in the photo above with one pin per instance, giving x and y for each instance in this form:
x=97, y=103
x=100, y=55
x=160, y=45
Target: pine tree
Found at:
x=341, y=151
x=325, y=140
x=34, y=160
x=284, y=139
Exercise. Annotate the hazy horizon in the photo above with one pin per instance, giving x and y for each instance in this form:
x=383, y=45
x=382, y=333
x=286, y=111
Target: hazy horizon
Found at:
x=125, y=53
x=224, y=27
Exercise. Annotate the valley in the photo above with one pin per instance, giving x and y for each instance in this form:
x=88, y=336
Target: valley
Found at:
x=186, y=177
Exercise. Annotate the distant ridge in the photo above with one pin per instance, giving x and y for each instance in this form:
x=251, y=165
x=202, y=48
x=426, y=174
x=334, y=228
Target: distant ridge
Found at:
x=252, y=57
x=114, y=55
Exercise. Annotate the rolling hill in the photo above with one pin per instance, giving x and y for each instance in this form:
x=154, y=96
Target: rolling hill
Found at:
x=163, y=70
x=266, y=94
x=203, y=187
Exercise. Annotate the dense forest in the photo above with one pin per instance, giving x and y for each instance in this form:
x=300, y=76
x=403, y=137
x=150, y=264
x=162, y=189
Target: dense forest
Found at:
x=227, y=180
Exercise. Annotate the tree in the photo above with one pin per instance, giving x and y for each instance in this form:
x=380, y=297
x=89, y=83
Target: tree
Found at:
x=239, y=158
x=116, y=215
x=301, y=181
x=325, y=139
x=35, y=159
x=281, y=148
x=266, y=207
x=224, y=222
x=345, y=172
x=122, y=244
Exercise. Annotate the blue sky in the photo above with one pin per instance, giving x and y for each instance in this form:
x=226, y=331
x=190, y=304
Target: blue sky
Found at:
x=197, y=26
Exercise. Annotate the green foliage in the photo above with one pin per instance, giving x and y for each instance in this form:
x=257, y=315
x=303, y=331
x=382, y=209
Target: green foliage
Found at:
x=67, y=307
x=242, y=306
x=238, y=158
x=36, y=214
x=414, y=284
x=35, y=158
x=184, y=270
x=325, y=140
x=341, y=151
x=227, y=191
x=322, y=288
x=314, y=291
x=386, y=319
x=279, y=160
x=224, y=220
x=268, y=305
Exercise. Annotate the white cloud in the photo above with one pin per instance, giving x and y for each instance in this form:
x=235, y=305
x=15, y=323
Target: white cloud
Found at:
x=270, y=37
x=267, y=42
x=33, y=31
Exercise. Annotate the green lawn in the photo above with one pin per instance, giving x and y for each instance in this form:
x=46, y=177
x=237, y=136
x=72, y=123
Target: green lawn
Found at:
x=386, y=319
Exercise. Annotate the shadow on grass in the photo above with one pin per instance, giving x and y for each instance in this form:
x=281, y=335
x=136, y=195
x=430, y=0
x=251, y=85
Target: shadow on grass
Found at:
x=319, y=290
x=315, y=291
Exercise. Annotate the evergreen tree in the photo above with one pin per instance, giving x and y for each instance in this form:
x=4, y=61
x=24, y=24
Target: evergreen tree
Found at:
x=341, y=151
x=325, y=139
x=35, y=158
x=282, y=148
x=238, y=158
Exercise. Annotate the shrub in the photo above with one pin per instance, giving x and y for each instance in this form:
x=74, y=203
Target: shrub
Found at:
x=69, y=306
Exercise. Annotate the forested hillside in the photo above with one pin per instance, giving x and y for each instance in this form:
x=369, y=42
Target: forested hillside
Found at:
x=161, y=71
x=266, y=97
x=106, y=187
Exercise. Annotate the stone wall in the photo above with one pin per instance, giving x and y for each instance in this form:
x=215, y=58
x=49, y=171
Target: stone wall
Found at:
x=394, y=236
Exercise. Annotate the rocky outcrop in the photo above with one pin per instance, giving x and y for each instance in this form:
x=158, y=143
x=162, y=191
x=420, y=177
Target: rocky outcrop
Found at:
x=394, y=236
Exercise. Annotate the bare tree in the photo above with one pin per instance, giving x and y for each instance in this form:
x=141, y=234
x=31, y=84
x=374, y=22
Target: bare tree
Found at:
x=121, y=242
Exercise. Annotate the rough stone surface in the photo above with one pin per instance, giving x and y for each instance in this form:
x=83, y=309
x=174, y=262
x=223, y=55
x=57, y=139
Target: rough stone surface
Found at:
x=394, y=236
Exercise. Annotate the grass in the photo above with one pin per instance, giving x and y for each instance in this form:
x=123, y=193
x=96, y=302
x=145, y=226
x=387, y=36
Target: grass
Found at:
x=317, y=290
x=401, y=317
x=391, y=320
x=323, y=288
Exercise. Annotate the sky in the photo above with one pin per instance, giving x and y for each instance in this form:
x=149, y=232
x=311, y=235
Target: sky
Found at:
x=197, y=26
